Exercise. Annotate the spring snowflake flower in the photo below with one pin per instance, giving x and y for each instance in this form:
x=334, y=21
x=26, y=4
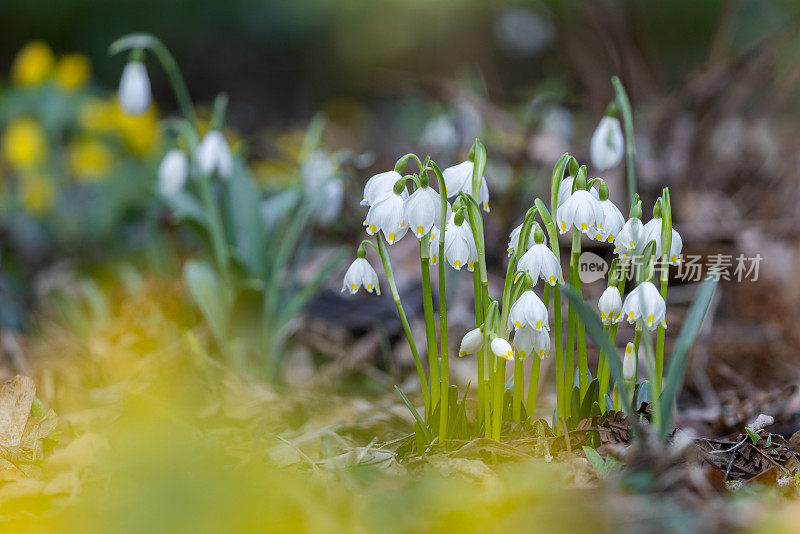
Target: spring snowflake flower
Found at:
x=612, y=223
x=607, y=146
x=386, y=215
x=564, y=190
x=528, y=310
x=541, y=262
x=645, y=303
x=459, y=178
x=173, y=172
x=531, y=341
x=360, y=273
x=471, y=342
x=652, y=232
x=581, y=210
x=502, y=348
x=610, y=305
x=629, y=239
x=380, y=185
x=214, y=155
x=459, y=243
x=629, y=363
x=513, y=241
x=423, y=211
x=134, y=89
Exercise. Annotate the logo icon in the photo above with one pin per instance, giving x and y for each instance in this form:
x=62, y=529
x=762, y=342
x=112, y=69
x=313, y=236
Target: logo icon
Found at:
x=591, y=267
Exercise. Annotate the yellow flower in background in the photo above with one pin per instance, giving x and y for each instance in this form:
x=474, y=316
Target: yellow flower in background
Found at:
x=37, y=193
x=24, y=143
x=90, y=160
x=33, y=64
x=73, y=71
x=98, y=116
x=139, y=132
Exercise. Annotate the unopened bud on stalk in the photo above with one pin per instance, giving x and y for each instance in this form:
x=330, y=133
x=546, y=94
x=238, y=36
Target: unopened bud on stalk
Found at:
x=657, y=209
x=629, y=363
x=471, y=343
x=172, y=172
x=134, y=87
x=502, y=348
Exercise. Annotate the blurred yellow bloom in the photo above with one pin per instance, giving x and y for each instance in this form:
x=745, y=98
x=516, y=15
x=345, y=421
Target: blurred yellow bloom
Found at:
x=98, y=116
x=73, y=71
x=33, y=64
x=36, y=193
x=139, y=132
x=90, y=160
x=24, y=143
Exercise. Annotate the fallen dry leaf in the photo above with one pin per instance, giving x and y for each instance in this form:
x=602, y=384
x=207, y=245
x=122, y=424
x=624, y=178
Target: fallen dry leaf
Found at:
x=16, y=397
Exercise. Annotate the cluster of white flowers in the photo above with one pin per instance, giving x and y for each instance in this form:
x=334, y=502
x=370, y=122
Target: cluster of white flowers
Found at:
x=213, y=157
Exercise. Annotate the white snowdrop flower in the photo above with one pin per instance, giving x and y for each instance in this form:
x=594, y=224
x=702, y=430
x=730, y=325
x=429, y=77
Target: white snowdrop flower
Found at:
x=541, y=262
x=513, y=241
x=502, y=348
x=610, y=305
x=471, y=342
x=381, y=185
x=645, y=303
x=581, y=210
x=530, y=341
x=607, y=146
x=652, y=232
x=173, y=172
x=434, y=250
x=214, y=155
x=528, y=310
x=629, y=239
x=386, y=215
x=423, y=211
x=360, y=273
x=612, y=223
x=459, y=244
x=134, y=89
x=629, y=362
x=564, y=190
x=459, y=178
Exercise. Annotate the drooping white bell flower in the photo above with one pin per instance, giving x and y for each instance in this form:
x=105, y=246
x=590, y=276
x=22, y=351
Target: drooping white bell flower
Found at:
x=459, y=244
x=612, y=223
x=513, y=241
x=629, y=362
x=422, y=211
x=645, y=303
x=360, y=273
x=564, y=190
x=173, y=172
x=629, y=239
x=471, y=342
x=134, y=89
x=652, y=232
x=530, y=341
x=386, y=215
x=502, y=348
x=607, y=146
x=610, y=305
x=214, y=155
x=322, y=185
x=528, y=310
x=581, y=210
x=541, y=262
x=381, y=185
x=459, y=178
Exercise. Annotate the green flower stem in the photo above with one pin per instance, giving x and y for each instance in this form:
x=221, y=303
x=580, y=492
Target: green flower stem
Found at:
x=430, y=327
x=519, y=387
x=637, y=337
x=497, y=394
x=444, y=349
x=536, y=362
x=168, y=63
x=482, y=398
x=387, y=269
x=666, y=246
x=627, y=123
x=575, y=281
x=558, y=351
x=216, y=233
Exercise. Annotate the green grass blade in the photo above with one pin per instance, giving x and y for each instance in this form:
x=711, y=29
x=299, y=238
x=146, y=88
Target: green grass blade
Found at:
x=415, y=413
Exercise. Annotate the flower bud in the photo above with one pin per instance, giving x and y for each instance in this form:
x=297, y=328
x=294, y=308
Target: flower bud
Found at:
x=629, y=363
x=502, y=348
x=172, y=172
x=610, y=305
x=471, y=343
x=134, y=89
